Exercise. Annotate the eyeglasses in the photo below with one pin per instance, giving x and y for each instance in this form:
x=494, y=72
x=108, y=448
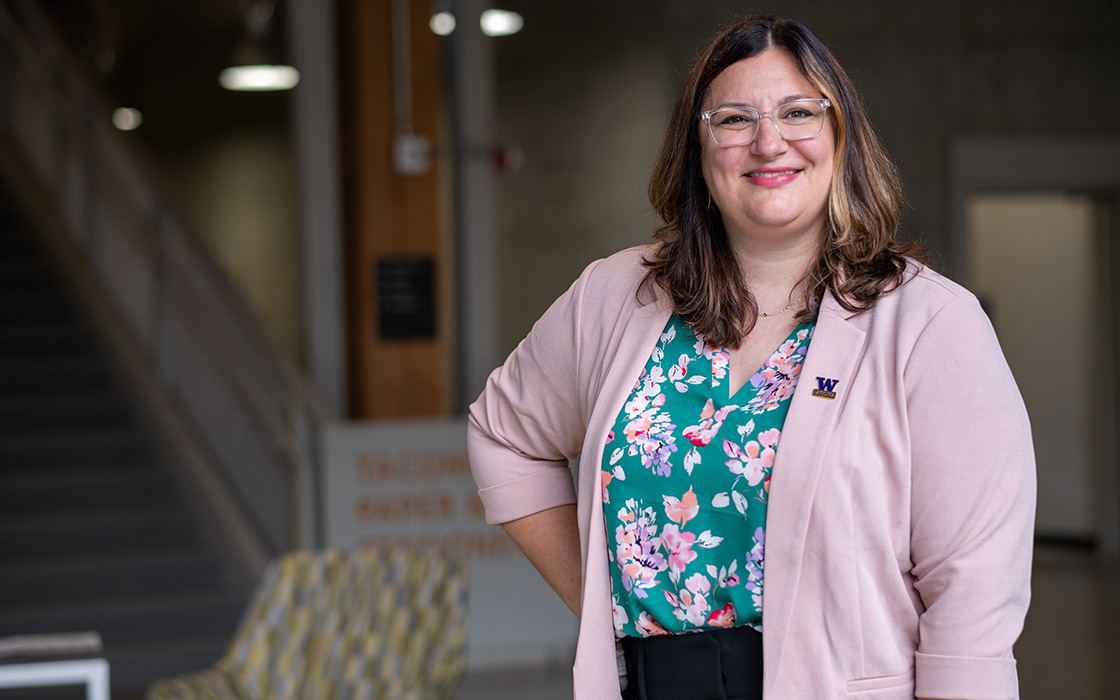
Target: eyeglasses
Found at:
x=738, y=126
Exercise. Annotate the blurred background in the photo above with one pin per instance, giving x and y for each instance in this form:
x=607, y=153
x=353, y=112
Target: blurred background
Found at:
x=220, y=306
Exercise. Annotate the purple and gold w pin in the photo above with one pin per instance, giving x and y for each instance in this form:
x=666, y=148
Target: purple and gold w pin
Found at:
x=826, y=388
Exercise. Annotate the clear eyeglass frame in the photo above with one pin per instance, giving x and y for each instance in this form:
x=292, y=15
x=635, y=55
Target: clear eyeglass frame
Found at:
x=706, y=117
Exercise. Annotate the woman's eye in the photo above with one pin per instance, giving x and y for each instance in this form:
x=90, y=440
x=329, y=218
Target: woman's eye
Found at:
x=736, y=119
x=797, y=113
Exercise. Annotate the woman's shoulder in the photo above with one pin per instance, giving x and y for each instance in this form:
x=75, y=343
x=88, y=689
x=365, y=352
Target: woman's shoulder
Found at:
x=617, y=276
x=928, y=305
x=922, y=287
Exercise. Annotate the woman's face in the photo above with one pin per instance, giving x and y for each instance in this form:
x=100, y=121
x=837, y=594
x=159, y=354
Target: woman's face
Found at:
x=771, y=193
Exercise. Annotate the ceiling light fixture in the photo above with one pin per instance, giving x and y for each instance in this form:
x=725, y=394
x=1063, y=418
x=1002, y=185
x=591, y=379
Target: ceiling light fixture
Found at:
x=500, y=22
x=255, y=66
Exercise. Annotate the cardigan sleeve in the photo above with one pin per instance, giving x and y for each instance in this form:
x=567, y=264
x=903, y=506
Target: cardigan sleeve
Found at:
x=529, y=421
x=972, y=506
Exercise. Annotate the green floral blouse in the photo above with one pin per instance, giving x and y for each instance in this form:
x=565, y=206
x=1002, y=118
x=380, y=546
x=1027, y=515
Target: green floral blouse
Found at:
x=686, y=507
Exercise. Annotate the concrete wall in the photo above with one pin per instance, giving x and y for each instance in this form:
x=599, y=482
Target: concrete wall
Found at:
x=584, y=90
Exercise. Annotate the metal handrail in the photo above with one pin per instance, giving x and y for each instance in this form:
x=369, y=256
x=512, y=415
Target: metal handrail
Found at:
x=164, y=283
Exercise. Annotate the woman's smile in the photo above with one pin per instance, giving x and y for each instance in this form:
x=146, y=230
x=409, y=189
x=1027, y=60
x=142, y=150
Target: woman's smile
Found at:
x=772, y=177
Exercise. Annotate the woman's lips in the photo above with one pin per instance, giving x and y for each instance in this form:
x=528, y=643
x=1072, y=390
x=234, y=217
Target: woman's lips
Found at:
x=772, y=177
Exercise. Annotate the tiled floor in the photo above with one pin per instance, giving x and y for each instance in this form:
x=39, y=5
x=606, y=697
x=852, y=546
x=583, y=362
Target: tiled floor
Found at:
x=1070, y=649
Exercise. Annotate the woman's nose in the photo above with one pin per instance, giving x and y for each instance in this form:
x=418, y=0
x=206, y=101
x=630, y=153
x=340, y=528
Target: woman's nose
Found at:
x=768, y=141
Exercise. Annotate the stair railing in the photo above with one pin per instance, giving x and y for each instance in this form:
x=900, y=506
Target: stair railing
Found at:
x=236, y=398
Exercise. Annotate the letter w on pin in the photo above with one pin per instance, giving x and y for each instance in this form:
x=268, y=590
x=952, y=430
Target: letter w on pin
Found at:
x=826, y=388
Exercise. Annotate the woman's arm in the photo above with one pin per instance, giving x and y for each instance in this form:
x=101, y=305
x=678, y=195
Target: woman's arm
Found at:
x=972, y=506
x=550, y=540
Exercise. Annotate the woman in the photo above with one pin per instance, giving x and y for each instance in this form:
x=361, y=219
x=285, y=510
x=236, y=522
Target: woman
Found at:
x=891, y=529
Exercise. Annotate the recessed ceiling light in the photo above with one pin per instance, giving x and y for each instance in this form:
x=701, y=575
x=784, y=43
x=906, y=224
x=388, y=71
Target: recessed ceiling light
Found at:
x=127, y=118
x=442, y=23
x=500, y=22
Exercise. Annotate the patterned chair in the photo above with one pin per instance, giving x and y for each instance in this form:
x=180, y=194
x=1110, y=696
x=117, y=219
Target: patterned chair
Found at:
x=364, y=625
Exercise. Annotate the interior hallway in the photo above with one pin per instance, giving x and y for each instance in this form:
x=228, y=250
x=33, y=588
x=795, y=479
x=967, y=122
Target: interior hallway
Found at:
x=1070, y=649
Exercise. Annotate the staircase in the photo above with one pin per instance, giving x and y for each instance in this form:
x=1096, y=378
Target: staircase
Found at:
x=93, y=534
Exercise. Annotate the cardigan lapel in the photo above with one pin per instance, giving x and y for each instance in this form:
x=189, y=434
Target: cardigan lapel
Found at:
x=833, y=354
x=595, y=653
x=634, y=348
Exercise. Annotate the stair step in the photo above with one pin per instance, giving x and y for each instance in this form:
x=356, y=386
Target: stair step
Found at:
x=70, y=407
x=26, y=579
x=13, y=243
x=136, y=484
x=73, y=447
x=92, y=533
x=83, y=530
x=44, y=334
x=25, y=306
x=23, y=271
x=184, y=613
x=57, y=371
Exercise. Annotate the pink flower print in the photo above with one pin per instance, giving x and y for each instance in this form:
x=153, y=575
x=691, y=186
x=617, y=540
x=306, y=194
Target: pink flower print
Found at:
x=758, y=464
x=724, y=617
x=679, y=545
x=752, y=463
x=778, y=379
x=769, y=438
x=610, y=437
x=651, y=436
x=648, y=626
x=639, y=426
x=678, y=371
x=636, y=405
x=711, y=421
x=698, y=584
x=637, y=548
x=720, y=360
x=694, y=605
x=681, y=510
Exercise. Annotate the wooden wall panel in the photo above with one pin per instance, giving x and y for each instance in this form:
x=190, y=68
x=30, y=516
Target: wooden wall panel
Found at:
x=389, y=215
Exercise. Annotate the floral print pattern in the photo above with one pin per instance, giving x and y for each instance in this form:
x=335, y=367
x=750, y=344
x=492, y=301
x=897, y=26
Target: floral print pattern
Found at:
x=687, y=529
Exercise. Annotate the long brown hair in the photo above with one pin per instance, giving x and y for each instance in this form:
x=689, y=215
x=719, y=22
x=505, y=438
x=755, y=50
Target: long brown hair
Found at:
x=859, y=257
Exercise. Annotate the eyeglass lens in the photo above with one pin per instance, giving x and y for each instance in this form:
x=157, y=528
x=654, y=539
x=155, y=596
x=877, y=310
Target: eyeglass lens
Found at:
x=801, y=119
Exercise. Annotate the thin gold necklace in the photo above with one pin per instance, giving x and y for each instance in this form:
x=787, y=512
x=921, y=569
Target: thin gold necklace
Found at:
x=786, y=308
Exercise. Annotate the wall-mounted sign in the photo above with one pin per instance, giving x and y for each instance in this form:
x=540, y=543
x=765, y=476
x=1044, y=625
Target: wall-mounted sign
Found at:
x=408, y=484
x=405, y=298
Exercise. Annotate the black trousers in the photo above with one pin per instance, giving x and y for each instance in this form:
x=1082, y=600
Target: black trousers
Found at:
x=716, y=665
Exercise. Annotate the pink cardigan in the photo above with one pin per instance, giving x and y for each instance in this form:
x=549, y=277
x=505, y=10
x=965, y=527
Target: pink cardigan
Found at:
x=899, y=530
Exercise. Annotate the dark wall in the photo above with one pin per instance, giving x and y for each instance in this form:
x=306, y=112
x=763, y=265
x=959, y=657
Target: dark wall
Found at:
x=585, y=87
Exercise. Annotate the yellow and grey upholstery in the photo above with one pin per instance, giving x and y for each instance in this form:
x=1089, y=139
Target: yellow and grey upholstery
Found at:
x=364, y=625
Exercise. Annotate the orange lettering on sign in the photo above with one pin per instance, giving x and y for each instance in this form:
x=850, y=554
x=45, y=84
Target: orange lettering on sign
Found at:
x=411, y=466
x=421, y=507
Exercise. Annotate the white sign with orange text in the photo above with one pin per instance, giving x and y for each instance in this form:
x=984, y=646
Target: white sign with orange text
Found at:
x=408, y=483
